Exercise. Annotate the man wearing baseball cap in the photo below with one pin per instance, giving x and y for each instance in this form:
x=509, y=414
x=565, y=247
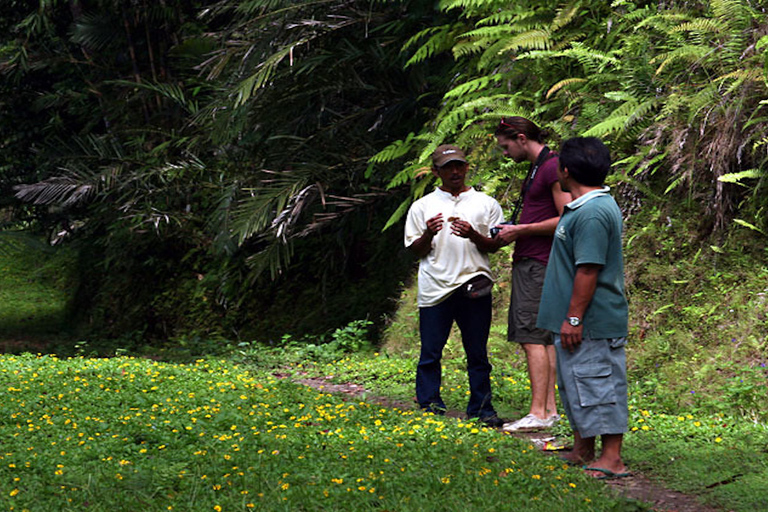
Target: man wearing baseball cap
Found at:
x=449, y=230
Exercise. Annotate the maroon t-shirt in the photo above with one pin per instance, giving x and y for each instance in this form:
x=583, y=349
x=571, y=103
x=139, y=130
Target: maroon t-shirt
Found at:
x=538, y=205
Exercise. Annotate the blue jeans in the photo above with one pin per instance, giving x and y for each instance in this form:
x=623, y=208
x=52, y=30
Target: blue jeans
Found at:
x=473, y=316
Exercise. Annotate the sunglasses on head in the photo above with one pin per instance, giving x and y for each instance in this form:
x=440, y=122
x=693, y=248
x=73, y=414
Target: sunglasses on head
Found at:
x=505, y=124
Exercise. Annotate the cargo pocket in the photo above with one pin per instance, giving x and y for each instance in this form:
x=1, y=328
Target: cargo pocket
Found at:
x=594, y=385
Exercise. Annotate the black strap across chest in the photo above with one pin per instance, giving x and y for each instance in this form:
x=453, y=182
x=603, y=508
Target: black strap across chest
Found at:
x=544, y=155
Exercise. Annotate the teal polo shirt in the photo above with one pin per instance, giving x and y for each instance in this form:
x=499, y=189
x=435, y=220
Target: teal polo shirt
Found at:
x=589, y=232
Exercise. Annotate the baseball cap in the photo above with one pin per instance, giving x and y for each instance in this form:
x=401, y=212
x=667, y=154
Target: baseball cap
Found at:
x=447, y=153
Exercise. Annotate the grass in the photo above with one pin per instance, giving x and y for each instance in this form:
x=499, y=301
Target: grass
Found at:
x=718, y=457
x=135, y=434
x=126, y=433
x=33, y=291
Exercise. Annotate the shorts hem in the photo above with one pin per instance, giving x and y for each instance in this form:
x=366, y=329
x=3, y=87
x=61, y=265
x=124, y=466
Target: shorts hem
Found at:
x=533, y=341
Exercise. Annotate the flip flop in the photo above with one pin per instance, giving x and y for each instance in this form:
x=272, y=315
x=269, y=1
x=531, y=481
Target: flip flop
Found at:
x=608, y=474
x=570, y=462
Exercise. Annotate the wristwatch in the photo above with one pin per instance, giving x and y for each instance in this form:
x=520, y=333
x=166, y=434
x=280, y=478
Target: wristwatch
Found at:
x=574, y=321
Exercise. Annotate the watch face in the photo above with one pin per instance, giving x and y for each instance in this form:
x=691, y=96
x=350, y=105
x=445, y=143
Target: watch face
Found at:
x=574, y=321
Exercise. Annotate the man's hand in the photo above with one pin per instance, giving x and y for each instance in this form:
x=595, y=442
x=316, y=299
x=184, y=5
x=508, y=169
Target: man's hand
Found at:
x=423, y=245
x=570, y=336
x=435, y=224
x=509, y=232
x=461, y=228
x=584, y=286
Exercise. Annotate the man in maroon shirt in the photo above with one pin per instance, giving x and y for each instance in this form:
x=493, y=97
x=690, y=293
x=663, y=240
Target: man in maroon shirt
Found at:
x=542, y=204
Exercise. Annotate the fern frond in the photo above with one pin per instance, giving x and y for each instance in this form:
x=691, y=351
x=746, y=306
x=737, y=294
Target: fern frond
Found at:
x=447, y=5
x=397, y=214
x=406, y=175
x=414, y=39
x=701, y=25
x=736, y=14
x=688, y=53
x=564, y=83
x=492, y=32
x=474, y=85
x=610, y=125
x=440, y=40
x=538, y=39
x=565, y=15
x=740, y=76
x=395, y=150
x=736, y=177
x=470, y=47
x=662, y=22
x=501, y=17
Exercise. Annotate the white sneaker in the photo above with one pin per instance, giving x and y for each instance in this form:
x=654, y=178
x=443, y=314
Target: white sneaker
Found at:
x=529, y=423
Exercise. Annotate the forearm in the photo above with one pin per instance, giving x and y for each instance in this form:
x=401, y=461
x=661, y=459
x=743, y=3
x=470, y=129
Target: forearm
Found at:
x=543, y=228
x=584, y=286
x=485, y=244
x=423, y=245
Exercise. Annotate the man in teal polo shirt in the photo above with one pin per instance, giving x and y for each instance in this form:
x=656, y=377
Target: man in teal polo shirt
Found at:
x=583, y=303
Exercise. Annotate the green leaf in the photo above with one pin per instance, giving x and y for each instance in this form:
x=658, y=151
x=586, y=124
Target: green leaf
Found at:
x=736, y=177
x=748, y=225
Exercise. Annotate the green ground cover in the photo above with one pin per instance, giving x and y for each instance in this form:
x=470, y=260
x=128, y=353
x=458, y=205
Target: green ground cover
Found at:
x=718, y=457
x=135, y=434
x=34, y=289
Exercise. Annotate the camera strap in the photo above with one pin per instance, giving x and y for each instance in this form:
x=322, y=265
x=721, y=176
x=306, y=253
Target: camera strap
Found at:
x=544, y=155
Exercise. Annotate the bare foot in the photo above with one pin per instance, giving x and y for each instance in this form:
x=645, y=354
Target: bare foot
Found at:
x=607, y=468
x=578, y=457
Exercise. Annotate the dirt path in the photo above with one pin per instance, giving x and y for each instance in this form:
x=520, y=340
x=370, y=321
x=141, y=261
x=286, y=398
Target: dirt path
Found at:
x=636, y=487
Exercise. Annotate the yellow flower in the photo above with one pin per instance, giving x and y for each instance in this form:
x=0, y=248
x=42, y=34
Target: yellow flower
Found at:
x=14, y=492
x=718, y=439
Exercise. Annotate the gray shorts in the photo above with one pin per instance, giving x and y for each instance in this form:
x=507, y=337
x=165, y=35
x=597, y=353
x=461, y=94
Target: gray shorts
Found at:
x=592, y=382
x=527, y=282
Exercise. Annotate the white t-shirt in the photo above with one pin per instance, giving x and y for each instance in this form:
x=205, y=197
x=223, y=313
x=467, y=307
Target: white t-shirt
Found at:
x=453, y=260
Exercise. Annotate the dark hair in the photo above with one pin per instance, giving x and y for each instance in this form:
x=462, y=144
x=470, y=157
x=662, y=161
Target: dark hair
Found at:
x=511, y=127
x=587, y=160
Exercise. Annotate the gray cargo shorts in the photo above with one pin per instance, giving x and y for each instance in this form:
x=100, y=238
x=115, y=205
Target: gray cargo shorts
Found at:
x=592, y=382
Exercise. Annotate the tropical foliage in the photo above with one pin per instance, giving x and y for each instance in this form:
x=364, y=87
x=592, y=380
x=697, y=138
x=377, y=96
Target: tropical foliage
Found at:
x=242, y=157
x=678, y=90
x=211, y=139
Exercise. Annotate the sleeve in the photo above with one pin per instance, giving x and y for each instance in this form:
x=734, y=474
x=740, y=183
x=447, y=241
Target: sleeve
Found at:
x=415, y=225
x=591, y=238
x=549, y=171
x=496, y=214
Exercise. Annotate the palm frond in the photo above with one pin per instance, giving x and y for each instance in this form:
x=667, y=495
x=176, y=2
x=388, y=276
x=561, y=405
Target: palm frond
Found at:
x=61, y=191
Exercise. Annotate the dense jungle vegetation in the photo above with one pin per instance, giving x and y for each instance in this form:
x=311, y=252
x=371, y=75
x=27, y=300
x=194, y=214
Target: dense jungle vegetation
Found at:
x=195, y=179
x=238, y=170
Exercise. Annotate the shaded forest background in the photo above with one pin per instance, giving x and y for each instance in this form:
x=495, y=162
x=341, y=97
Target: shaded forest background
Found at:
x=239, y=169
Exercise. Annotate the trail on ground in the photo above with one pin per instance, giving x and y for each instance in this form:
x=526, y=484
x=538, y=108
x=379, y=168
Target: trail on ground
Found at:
x=637, y=486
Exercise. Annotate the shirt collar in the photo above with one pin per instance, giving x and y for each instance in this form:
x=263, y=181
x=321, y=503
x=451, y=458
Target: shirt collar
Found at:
x=448, y=195
x=587, y=197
